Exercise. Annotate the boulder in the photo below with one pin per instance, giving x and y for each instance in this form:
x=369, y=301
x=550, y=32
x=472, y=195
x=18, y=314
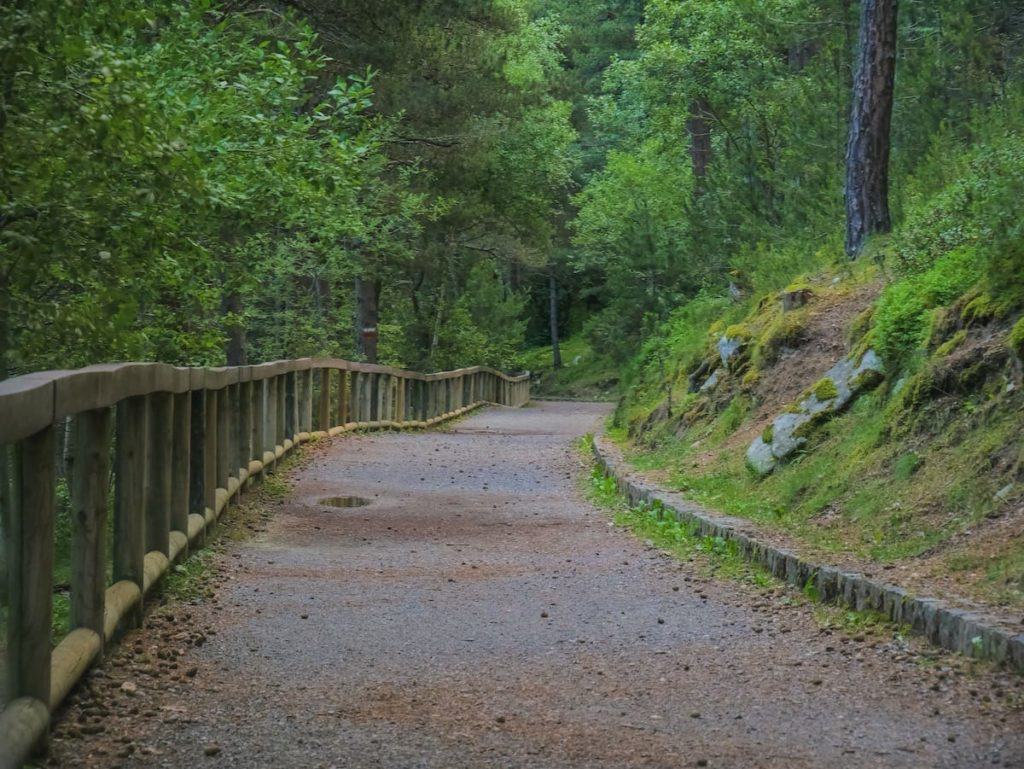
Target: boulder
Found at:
x=728, y=347
x=830, y=395
x=712, y=381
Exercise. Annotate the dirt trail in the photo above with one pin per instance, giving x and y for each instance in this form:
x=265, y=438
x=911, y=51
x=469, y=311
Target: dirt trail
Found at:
x=479, y=613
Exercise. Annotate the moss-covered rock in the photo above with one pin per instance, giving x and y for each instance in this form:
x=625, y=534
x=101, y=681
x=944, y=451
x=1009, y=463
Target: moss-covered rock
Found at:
x=825, y=389
x=768, y=433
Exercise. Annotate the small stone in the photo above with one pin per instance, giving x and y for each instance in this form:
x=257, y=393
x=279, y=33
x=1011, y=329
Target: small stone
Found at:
x=544, y=614
x=129, y=688
x=211, y=750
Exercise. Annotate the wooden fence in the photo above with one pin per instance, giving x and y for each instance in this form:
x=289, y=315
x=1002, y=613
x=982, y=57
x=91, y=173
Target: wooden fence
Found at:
x=178, y=444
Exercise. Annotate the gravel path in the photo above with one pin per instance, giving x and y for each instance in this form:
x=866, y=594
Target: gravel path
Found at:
x=480, y=613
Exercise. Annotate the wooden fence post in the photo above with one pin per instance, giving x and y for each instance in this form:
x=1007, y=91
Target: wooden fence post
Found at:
x=199, y=448
x=291, y=422
x=130, y=498
x=282, y=410
x=213, y=405
x=306, y=401
x=224, y=422
x=244, y=427
x=259, y=421
x=324, y=403
x=180, y=459
x=158, y=473
x=343, y=395
x=30, y=559
x=90, y=474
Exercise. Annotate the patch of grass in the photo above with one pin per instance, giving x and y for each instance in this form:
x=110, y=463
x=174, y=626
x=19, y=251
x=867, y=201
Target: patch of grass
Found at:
x=720, y=557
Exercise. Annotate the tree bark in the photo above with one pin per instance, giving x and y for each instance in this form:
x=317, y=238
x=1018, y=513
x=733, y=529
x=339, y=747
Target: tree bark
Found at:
x=868, y=142
x=367, y=317
x=698, y=127
x=556, y=353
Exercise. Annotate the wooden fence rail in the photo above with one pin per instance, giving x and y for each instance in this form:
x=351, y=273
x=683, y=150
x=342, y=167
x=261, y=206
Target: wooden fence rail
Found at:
x=181, y=442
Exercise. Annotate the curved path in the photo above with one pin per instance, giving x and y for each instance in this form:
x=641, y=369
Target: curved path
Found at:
x=479, y=613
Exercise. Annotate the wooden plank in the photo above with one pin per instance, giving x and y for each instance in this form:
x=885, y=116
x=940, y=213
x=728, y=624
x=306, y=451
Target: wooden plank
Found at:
x=90, y=476
x=130, y=496
x=343, y=398
x=160, y=448
x=30, y=559
x=181, y=469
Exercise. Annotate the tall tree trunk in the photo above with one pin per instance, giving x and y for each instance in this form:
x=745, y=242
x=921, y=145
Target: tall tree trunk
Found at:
x=867, y=146
x=556, y=353
x=367, y=318
x=698, y=126
x=231, y=305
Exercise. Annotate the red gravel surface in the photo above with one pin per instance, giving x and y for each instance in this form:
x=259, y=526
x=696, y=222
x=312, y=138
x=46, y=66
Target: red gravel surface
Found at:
x=480, y=613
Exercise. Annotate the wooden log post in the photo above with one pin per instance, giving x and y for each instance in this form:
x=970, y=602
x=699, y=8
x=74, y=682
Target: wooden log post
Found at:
x=355, y=384
x=198, y=454
x=343, y=396
x=30, y=559
x=401, y=385
x=323, y=411
x=282, y=410
x=270, y=437
x=213, y=405
x=130, y=498
x=373, y=398
x=90, y=474
x=291, y=411
x=306, y=401
x=181, y=464
x=259, y=418
x=160, y=447
x=244, y=442
x=225, y=403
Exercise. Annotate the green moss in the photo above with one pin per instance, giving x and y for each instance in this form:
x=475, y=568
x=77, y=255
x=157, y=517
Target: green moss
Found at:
x=951, y=344
x=799, y=284
x=739, y=331
x=861, y=325
x=825, y=389
x=751, y=378
x=768, y=433
x=867, y=380
x=785, y=329
x=981, y=309
x=1016, y=338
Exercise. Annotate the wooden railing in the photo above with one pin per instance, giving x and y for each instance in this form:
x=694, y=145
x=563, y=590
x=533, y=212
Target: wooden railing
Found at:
x=181, y=442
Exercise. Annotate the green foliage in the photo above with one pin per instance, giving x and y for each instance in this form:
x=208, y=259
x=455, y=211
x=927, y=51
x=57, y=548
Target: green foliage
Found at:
x=903, y=314
x=1016, y=338
x=181, y=177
